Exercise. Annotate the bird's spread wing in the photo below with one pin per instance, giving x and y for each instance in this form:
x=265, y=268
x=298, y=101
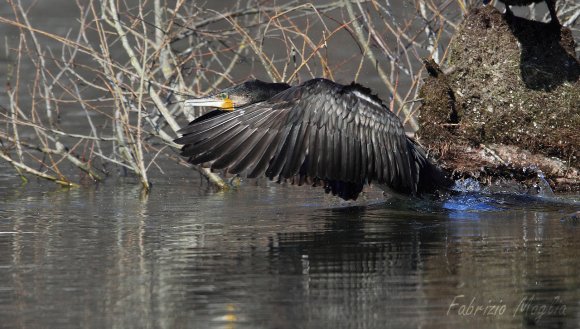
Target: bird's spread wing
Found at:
x=319, y=130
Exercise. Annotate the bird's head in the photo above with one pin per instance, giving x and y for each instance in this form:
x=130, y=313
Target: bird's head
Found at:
x=241, y=95
x=485, y=2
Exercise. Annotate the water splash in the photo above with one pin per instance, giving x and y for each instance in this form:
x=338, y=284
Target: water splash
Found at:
x=466, y=185
x=543, y=187
x=471, y=202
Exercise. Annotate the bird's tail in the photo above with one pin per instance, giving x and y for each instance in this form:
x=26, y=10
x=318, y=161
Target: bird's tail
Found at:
x=430, y=176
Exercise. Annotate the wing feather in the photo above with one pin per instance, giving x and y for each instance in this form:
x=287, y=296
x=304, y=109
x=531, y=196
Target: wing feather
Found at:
x=297, y=154
x=344, y=158
x=313, y=151
x=260, y=167
x=323, y=158
x=283, y=154
x=260, y=140
x=207, y=151
x=226, y=158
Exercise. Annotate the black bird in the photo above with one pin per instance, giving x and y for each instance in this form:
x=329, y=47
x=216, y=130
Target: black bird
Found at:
x=319, y=132
x=550, y=3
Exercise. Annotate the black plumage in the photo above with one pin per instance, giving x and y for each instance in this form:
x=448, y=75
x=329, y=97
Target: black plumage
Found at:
x=320, y=132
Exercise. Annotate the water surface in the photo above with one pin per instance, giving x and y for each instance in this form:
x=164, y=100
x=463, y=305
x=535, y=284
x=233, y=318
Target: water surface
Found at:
x=273, y=256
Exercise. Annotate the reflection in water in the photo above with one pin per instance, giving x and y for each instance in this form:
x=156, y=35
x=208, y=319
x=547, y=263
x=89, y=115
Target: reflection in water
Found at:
x=275, y=256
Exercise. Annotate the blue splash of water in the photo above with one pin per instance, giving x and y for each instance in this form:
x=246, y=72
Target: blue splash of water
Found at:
x=471, y=202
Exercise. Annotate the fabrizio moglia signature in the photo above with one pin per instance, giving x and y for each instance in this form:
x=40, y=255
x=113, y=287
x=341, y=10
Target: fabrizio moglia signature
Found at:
x=529, y=306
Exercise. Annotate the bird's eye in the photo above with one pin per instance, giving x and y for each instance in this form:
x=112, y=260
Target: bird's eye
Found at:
x=223, y=95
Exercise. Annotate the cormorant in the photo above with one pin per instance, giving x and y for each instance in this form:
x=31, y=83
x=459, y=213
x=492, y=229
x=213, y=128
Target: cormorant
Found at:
x=319, y=132
x=550, y=3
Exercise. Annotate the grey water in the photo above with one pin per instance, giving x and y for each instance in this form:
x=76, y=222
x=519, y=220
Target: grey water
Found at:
x=274, y=256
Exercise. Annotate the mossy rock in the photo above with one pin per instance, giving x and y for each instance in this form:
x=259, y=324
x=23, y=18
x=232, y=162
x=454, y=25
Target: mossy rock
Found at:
x=511, y=82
